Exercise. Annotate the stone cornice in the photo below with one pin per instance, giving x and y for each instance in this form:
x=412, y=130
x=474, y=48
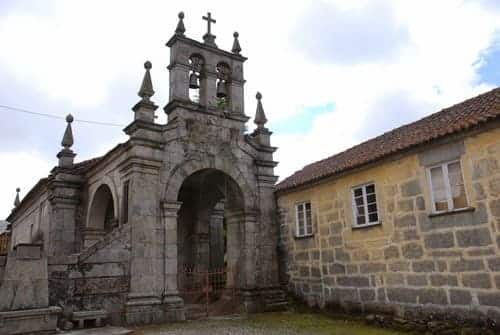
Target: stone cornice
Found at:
x=178, y=38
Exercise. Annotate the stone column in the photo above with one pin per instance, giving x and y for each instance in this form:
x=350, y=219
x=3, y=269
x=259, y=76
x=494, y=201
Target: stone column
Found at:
x=208, y=88
x=248, y=262
x=173, y=303
x=64, y=199
x=234, y=222
x=216, y=236
x=179, y=81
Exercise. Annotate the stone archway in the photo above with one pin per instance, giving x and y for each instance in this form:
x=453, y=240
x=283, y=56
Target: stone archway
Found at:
x=101, y=216
x=212, y=202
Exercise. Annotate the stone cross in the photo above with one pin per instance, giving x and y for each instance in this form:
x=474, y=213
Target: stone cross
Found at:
x=208, y=37
x=209, y=20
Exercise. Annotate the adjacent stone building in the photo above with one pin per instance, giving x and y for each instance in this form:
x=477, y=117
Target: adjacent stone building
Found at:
x=117, y=232
x=407, y=222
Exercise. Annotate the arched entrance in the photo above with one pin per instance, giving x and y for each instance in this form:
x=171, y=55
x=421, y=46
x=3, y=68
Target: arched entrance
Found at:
x=101, y=215
x=209, y=235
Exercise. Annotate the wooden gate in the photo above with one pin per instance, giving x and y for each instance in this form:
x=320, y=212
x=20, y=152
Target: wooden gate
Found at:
x=205, y=292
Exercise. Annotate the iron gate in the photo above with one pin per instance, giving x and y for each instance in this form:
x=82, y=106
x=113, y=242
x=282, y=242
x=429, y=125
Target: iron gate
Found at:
x=205, y=292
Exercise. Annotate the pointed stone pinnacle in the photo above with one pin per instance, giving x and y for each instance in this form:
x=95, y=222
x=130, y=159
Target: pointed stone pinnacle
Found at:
x=146, y=91
x=17, y=201
x=260, y=118
x=180, y=29
x=67, y=140
x=236, y=44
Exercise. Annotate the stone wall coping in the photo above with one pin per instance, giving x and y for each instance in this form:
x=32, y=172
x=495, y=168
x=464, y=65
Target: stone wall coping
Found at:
x=31, y=312
x=90, y=314
x=454, y=211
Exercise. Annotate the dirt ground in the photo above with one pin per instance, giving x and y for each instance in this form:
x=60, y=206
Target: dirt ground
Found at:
x=285, y=323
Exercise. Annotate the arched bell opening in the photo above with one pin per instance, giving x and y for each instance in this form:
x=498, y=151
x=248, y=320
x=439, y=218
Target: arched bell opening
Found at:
x=101, y=216
x=196, y=63
x=223, y=78
x=208, y=235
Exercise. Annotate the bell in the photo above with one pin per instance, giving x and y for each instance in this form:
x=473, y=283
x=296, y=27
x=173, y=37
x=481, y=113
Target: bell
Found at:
x=193, y=81
x=221, y=89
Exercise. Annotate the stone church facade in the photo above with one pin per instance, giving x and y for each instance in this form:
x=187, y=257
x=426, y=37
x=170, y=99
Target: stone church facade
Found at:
x=116, y=232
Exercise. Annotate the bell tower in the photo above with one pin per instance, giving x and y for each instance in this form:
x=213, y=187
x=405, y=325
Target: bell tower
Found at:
x=204, y=78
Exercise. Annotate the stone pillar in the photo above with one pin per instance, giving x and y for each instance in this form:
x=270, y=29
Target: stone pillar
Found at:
x=236, y=99
x=248, y=262
x=173, y=303
x=64, y=199
x=216, y=236
x=146, y=255
x=234, y=222
x=179, y=81
x=208, y=88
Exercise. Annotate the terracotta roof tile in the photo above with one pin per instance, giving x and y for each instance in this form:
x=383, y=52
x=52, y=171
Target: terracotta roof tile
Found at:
x=454, y=119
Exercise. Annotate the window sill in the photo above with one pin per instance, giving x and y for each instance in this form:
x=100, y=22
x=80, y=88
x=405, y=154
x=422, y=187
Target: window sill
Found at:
x=373, y=224
x=303, y=237
x=455, y=211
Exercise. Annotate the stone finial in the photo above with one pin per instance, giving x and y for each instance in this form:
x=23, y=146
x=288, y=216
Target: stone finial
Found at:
x=17, y=201
x=180, y=29
x=66, y=155
x=260, y=118
x=67, y=141
x=146, y=91
x=236, y=44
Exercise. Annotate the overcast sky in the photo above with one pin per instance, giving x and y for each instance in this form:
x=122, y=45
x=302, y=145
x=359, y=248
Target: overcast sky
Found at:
x=332, y=73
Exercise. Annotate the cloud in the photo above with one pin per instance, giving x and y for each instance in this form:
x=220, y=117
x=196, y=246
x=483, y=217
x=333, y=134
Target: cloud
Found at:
x=330, y=34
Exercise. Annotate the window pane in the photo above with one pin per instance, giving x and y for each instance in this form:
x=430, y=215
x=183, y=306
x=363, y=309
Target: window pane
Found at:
x=359, y=201
x=358, y=192
x=361, y=210
x=373, y=217
x=360, y=220
x=371, y=198
x=439, y=188
x=457, y=185
x=372, y=208
x=308, y=220
x=370, y=188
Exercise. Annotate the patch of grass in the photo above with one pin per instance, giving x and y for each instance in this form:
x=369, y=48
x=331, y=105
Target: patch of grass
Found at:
x=294, y=323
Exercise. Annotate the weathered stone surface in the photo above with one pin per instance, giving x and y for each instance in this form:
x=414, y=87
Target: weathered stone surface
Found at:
x=494, y=264
x=405, y=205
x=404, y=295
x=411, y=188
x=495, y=207
x=354, y=281
x=479, y=191
x=399, y=266
x=372, y=267
x=489, y=299
x=423, y=266
x=341, y=255
x=473, y=237
x=416, y=280
x=327, y=256
x=432, y=296
x=464, y=265
x=395, y=279
x=337, y=268
x=412, y=250
x=405, y=221
x=391, y=252
x=476, y=280
x=494, y=187
x=367, y=294
x=443, y=280
x=484, y=167
x=460, y=297
x=439, y=240
x=459, y=219
x=420, y=203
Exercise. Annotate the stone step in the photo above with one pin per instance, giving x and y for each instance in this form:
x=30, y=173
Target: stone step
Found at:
x=108, y=330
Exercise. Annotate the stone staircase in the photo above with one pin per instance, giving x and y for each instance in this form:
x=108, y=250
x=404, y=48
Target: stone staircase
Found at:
x=104, y=241
x=195, y=311
x=274, y=300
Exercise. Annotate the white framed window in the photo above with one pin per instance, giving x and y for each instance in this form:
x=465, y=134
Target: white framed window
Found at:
x=447, y=187
x=364, y=206
x=303, y=217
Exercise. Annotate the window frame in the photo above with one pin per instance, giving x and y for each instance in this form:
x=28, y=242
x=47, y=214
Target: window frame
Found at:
x=297, y=221
x=449, y=198
x=365, y=205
